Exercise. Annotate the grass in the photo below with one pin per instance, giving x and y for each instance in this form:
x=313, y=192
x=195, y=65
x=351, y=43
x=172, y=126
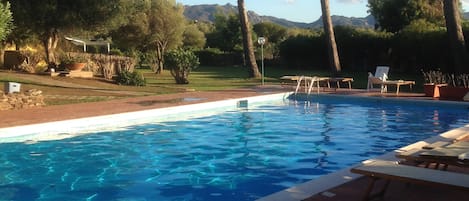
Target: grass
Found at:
x=64, y=90
x=205, y=79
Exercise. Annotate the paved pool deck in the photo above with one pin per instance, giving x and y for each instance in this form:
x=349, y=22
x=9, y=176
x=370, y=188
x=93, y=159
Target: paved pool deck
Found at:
x=349, y=191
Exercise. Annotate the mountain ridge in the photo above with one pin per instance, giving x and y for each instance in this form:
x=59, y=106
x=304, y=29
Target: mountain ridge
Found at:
x=207, y=12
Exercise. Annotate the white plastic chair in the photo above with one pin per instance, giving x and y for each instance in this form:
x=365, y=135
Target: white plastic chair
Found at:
x=380, y=76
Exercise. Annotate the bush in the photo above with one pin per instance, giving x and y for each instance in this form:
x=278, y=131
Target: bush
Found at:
x=130, y=78
x=115, y=51
x=304, y=52
x=180, y=63
x=215, y=57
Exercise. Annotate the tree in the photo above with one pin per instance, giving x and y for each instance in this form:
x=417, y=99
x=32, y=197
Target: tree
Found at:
x=329, y=31
x=226, y=34
x=166, y=28
x=394, y=15
x=132, y=35
x=47, y=18
x=6, y=20
x=455, y=34
x=193, y=37
x=274, y=32
x=154, y=27
x=180, y=63
x=6, y=26
x=248, y=46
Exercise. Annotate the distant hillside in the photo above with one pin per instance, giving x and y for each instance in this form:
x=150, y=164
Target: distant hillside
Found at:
x=207, y=13
x=367, y=22
x=465, y=15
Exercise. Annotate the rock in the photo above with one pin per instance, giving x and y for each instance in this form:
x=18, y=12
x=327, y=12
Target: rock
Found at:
x=31, y=98
x=33, y=92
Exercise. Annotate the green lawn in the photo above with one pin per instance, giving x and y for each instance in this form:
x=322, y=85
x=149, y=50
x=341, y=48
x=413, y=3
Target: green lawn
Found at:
x=217, y=78
x=204, y=78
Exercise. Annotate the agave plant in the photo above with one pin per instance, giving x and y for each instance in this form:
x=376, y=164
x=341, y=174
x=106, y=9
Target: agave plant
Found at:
x=438, y=77
x=434, y=77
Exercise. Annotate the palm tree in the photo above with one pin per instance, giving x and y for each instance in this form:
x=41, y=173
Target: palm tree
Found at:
x=455, y=34
x=247, y=41
x=331, y=45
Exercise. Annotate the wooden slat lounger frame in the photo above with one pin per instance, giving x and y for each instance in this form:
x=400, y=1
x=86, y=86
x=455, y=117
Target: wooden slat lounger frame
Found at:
x=392, y=170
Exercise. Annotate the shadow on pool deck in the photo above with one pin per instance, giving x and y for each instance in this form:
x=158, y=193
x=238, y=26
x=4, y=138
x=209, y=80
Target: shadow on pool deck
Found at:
x=349, y=191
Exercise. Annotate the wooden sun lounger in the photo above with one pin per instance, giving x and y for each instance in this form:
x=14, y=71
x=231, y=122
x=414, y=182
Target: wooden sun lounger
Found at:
x=439, y=153
x=392, y=170
x=397, y=83
x=328, y=80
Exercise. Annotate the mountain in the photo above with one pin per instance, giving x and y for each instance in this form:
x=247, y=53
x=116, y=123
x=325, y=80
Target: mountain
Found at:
x=207, y=13
x=366, y=22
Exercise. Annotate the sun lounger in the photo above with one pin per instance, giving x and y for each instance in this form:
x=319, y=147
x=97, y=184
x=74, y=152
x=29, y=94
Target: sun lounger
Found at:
x=393, y=171
x=439, y=153
x=381, y=74
x=398, y=84
x=307, y=81
x=314, y=81
x=381, y=78
x=339, y=80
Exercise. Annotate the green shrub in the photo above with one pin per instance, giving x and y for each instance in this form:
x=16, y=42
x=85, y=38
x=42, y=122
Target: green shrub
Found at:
x=215, y=57
x=115, y=51
x=130, y=78
x=180, y=63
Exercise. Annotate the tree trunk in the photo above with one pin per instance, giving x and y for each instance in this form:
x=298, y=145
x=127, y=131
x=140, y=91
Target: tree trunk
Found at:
x=248, y=46
x=50, y=44
x=2, y=55
x=160, y=50
x=329, y=31
x=456, y=36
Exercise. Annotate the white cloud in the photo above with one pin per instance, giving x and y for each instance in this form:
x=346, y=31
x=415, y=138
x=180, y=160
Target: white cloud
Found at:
x=290, y=1
x=355, y=1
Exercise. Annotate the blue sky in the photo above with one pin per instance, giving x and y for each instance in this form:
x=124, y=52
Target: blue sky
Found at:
x=299, y=10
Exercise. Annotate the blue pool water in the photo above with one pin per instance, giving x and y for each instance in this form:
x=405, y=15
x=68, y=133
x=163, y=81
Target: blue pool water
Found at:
x=238, y=155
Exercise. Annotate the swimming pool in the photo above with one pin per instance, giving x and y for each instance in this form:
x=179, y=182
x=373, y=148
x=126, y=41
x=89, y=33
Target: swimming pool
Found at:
x=238, y=154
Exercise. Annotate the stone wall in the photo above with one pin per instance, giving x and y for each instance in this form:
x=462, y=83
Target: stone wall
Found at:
x=15, y=101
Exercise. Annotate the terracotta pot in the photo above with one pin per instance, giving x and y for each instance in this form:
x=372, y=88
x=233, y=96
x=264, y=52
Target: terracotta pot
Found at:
x=453, y=93
x=429, y=90
x=432, y=90
x=75, y=66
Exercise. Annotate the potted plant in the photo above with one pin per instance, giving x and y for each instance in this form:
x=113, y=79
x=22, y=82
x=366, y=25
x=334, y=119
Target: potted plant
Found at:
x=446, y=85
x=434, y=79
x=73, y=62
x=457, y=87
